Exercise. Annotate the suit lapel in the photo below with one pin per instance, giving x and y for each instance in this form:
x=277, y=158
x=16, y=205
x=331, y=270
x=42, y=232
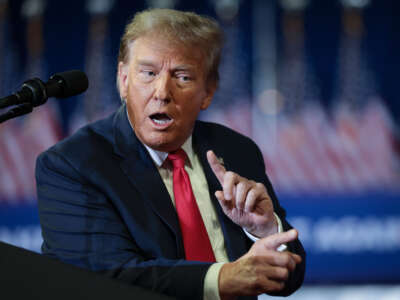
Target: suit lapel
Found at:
x=138, y=166
x=203, y=140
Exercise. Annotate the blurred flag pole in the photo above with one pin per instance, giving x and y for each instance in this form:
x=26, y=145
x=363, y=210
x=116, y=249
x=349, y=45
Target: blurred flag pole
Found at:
x=41, y=129
x=97, y=101
x=232, y=103
x=264, y=73
x=162, y=3
x=15, y=184
x=8, y=72
x=3, y=18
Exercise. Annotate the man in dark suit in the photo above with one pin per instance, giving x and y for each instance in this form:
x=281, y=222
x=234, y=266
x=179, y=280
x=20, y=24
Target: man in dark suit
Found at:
x=153, y=197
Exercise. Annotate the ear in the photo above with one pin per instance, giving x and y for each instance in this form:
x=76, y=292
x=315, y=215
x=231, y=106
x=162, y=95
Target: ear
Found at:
x=210, y=90
x=123, y=71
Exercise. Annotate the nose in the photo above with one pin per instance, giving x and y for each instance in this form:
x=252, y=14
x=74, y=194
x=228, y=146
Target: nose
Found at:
x=163, y=90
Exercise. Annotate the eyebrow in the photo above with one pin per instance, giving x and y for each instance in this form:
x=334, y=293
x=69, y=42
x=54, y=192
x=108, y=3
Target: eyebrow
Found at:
x=146, y=63
x=182, y=67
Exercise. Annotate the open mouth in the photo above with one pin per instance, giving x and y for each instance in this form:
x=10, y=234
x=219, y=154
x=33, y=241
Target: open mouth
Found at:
x=161, y=118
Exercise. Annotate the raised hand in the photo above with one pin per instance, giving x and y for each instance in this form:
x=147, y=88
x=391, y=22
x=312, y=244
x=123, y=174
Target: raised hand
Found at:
x=244, y=201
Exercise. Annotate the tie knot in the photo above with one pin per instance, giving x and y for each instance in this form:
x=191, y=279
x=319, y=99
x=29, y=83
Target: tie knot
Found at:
x=177, y=158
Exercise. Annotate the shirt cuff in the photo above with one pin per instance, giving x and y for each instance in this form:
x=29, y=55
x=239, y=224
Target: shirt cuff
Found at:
x=282, y=247
x=211, y=289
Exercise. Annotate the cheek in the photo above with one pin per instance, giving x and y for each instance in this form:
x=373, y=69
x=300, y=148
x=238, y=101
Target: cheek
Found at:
x=196, y=103
x=138, y=91
x=189, y=114
x=136, y=105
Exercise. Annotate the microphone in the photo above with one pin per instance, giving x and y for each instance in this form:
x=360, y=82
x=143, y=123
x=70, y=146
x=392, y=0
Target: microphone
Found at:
x=60, y=85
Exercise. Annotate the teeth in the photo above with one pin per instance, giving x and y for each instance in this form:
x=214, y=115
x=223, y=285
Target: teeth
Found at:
x=161, y=122
x=161, y=119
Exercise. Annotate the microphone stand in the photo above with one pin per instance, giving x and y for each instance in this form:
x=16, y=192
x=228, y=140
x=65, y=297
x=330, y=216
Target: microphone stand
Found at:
x=16, y=111
x=34, y=90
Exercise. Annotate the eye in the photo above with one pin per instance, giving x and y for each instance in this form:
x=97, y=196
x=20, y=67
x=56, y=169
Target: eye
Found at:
x=146, y=74
x=149, y=73
x=184, y=77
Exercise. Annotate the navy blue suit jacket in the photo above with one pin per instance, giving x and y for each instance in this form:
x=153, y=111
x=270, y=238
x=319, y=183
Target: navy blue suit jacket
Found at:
x=103, y=206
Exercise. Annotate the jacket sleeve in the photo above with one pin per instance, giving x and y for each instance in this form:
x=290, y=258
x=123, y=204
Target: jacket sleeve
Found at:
x=81, y=227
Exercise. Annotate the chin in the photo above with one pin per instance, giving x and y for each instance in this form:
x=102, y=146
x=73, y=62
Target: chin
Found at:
x=167, y=147
x=163, y=141
x=162, y=145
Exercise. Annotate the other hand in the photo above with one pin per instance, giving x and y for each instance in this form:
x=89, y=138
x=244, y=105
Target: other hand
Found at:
x=261, y=270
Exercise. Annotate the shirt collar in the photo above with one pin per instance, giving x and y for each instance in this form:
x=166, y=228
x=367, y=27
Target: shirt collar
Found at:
x=159, y=156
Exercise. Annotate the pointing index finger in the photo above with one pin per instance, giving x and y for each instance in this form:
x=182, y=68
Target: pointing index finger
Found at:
x=216, y=166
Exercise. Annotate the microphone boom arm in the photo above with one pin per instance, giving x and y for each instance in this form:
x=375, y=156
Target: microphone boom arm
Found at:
x=35, y=92
x=16, y=111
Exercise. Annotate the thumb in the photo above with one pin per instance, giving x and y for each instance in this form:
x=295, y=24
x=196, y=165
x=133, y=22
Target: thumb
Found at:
x=274, y=241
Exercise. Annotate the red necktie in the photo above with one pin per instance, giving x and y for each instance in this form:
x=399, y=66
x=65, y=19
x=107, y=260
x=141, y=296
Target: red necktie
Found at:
x=195, y=238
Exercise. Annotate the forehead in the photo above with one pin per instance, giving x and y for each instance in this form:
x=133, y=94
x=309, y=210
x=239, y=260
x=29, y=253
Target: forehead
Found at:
x=156, y=48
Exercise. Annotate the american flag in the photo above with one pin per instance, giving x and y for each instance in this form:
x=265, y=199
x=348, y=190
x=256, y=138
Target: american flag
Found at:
x=348, y=149
x=21, y=140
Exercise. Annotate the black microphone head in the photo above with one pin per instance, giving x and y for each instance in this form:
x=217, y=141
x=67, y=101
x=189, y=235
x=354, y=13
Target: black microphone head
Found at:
x=67, y=84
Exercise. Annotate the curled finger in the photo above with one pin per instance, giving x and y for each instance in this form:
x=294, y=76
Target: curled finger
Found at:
x=242, y=190
x=229, y=183
x=278, y=273
x=253, y=196
x=225, y=204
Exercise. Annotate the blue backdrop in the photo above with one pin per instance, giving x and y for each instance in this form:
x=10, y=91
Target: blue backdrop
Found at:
x=313, y=83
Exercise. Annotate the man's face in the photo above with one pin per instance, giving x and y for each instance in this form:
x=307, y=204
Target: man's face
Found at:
x=165, y=88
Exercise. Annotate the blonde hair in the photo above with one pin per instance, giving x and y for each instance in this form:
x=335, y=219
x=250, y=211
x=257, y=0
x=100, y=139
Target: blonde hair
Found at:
x=182, y=27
